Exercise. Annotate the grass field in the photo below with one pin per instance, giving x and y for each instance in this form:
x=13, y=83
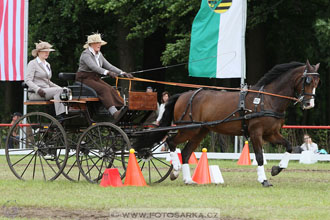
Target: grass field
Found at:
x=300, y=192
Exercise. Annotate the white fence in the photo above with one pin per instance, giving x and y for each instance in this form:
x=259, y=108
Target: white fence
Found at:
x=235, y=156
x=270, y=156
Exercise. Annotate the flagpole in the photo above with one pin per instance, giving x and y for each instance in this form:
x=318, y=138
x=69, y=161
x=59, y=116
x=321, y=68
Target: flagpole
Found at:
x=26, y=25
x=244, y=8
x=26, y=17
x=243, y=66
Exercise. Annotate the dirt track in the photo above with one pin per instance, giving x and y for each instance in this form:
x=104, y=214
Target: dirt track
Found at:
x=56, y=213
x=10, y=210
x=51, y=213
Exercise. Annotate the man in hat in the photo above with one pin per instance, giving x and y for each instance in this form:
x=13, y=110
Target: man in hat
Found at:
x=92, y=65
x=38, y=77
x=15, y=116
x=149, y=89
x=15, y=135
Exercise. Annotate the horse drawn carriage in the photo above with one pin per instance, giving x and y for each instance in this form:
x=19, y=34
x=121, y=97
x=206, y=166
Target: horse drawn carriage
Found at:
x=84, y=142
x=62, y=146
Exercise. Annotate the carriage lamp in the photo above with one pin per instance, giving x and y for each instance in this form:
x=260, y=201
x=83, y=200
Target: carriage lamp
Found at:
x=66, y=95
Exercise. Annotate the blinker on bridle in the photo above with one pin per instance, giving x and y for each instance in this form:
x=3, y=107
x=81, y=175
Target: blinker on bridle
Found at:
x=306, y=79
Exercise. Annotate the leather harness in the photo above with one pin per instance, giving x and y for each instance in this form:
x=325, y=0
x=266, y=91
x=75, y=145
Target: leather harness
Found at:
x=244, y=113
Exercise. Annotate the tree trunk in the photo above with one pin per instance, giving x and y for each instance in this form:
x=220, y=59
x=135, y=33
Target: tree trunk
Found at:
x=256, y=56
x=154, y=45
x=125, y=49
x=126, y=55
x=327, y=101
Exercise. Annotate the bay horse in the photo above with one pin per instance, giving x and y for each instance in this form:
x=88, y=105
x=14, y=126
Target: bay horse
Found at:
x=257, y=115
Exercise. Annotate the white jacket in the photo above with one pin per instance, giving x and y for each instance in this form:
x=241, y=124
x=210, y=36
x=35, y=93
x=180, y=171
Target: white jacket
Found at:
x=311, y=147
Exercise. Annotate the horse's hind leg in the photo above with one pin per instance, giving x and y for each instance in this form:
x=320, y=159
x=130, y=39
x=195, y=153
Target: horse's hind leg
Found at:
x=278, y=139
x=173, y=141
x=256, y=139
x=194, y=137
x=187, y=151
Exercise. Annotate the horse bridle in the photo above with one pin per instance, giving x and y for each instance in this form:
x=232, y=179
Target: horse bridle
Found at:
x=307, y=78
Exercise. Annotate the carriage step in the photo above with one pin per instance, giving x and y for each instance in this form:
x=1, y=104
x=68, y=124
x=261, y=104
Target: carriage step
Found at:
x=39, y=102
x=49, y=102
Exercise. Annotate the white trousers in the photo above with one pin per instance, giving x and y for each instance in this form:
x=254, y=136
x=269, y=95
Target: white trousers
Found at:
x=51, y=93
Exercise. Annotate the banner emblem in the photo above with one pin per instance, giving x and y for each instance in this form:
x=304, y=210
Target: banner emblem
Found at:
x=219, y=6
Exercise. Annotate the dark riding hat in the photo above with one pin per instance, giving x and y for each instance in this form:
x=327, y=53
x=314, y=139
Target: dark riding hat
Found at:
x=17, y=114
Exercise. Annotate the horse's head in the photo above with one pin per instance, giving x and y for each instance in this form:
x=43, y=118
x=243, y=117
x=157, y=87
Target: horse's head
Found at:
x=307, y=84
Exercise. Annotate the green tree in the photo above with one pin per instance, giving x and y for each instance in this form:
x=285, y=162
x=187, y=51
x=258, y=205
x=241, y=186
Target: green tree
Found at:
x=66, y=24
x=144, y=34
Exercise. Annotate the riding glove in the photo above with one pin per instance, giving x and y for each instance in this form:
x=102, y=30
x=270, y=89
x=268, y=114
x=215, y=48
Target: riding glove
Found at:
x=112, y=74
x=127, y=75
x=42, y=93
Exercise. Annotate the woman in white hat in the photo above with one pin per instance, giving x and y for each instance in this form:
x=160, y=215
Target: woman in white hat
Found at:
x=92, y=65
x=38, y=77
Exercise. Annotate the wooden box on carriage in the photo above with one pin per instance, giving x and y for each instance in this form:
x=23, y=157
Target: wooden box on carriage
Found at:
x=142, y=101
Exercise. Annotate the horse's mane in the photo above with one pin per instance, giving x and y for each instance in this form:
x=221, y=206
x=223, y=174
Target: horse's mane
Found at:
x=277, y=71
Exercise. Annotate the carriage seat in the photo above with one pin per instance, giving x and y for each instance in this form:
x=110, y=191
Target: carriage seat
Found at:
x=81, y=90
x=78, y=89
x=67, y=76
x=35, y=102
x=137, y=100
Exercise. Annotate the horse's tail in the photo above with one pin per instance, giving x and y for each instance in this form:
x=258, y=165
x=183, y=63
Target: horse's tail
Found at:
x=149, y=139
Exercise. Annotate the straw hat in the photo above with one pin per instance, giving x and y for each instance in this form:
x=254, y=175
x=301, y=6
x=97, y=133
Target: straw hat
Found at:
x=94, y=38
x=42, y=46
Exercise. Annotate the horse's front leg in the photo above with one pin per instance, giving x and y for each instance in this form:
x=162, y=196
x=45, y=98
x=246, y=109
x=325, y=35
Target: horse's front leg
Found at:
x=257, y=147
x=278, y=139
x=174, y=158
x=186, y=153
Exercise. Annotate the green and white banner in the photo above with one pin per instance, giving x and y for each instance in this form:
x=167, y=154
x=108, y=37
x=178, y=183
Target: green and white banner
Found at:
x=217, y=47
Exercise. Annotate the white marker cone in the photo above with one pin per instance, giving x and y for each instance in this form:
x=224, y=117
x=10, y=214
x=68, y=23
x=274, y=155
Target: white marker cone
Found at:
x=215, y=173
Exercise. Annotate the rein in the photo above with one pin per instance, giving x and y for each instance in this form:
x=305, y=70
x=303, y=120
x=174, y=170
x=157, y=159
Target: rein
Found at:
x=204, y=86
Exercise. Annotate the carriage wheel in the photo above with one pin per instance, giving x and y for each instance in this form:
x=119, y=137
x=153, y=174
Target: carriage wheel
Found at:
x=36, y=147
x=103, y=145
x=154, y=163
x=71, y=170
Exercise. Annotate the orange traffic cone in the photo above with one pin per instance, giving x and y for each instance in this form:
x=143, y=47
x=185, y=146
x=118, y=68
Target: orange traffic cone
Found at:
x=193, y=159
x=244, y=159
x=202, y=172
x=111, y=177
x=134, y=175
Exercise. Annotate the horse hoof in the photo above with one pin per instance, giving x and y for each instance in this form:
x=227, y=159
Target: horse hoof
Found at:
x=276, y=170
x=189, y=182
x=265, y=183
x=174, y=175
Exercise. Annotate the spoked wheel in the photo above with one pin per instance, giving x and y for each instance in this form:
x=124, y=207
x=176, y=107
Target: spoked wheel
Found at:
x=103, y=145
x=71, y=170
x=154, y=163
x=36, y=147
